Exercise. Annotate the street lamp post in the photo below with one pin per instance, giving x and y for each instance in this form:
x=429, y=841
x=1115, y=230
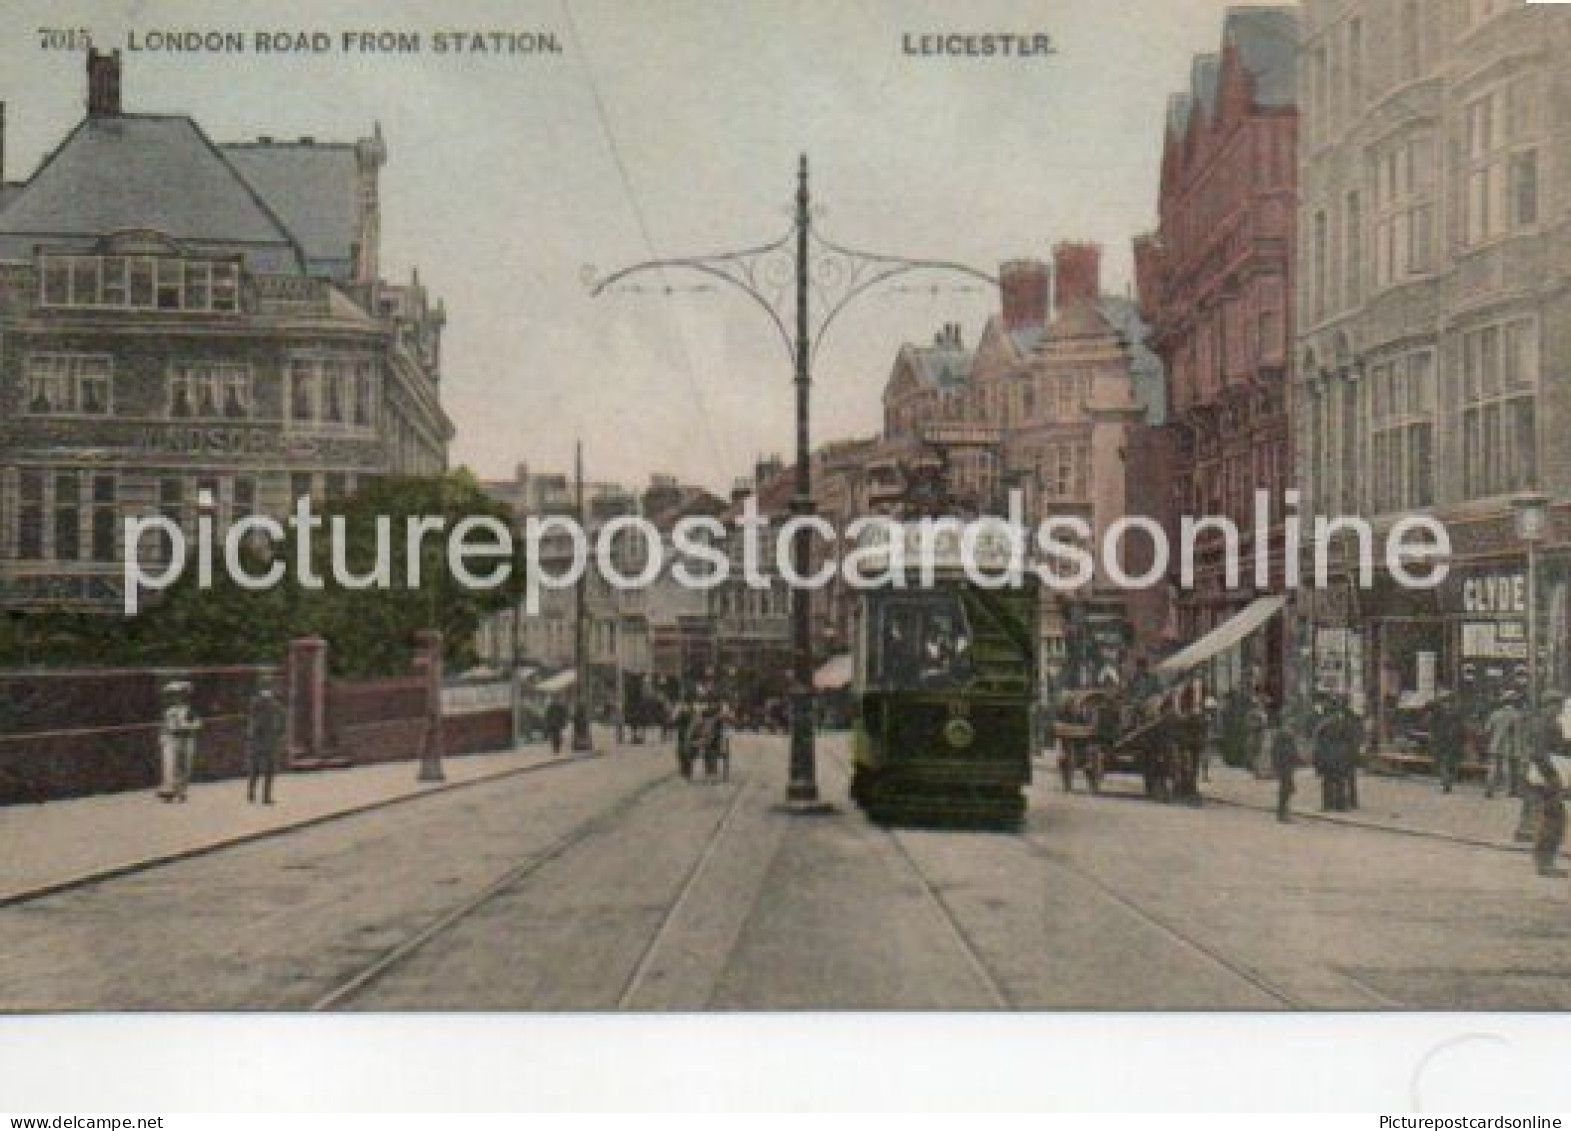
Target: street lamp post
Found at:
x=779, y=276
x=1532, y=526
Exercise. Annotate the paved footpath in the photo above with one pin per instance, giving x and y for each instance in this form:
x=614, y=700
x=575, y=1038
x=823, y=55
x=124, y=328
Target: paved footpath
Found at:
x=1414, y=805
x=62, y=844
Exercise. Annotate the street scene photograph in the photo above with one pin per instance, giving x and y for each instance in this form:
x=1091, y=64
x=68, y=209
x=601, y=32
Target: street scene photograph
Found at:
x=771, y=508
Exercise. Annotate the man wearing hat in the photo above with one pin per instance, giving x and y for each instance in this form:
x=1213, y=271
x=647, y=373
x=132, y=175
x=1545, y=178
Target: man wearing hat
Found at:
x=1282, y=748
x=264, y=740
x=1446, y=737
x=1503, y=738
x=177, y=729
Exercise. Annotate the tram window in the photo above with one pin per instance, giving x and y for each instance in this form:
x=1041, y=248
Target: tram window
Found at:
x=922, y=643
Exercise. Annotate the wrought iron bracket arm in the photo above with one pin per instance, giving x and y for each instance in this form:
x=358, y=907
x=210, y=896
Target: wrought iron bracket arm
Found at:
x=764, y=274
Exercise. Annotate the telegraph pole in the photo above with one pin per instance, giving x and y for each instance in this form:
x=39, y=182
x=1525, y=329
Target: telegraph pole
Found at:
x=582, y=738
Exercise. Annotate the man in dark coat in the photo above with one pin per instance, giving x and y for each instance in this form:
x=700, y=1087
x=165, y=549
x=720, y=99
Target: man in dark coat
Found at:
x=555, y=724
x=1445, y=740
x=1549, y=832
x=1282, y=748
x=684, y=737
x=1338, y=741
x=264, y=741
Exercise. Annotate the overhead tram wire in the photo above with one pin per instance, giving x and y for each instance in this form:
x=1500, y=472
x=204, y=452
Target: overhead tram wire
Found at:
x=643, y=225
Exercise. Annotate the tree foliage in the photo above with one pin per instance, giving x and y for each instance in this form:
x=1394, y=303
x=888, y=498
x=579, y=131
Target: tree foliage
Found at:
x=370, y=631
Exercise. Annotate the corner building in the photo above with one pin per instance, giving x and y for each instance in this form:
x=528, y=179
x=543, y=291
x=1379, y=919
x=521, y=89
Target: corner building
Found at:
x=181, y=319
x=1215, y=281
x=1433, y=361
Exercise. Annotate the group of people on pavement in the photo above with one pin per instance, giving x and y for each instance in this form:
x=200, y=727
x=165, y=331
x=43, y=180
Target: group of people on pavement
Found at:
x=703, y=737
x=1335, y=739
x=701, y=726
x=178, y=726
x=1518, y=745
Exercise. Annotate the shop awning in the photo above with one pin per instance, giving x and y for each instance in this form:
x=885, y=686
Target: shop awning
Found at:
x=835, y=675
x=559, y=682
x=1224, y=636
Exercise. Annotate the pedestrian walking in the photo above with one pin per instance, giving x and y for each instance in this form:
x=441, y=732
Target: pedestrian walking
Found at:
x=1445, y=739
x=683, y=723
x=1547, y=788
x=555, y=724
x=264, y=741
x=1356, y=738
x=177, y=729
x=713, y=749
x=1283, y=748
x=1503, y=740
x=1256, y=726
x=1338, y=740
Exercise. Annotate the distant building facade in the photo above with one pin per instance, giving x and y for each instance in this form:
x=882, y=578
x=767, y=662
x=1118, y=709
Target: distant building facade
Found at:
x=1054, y=399
x=183, y=321
x=1215, y=282
x=1434, y=330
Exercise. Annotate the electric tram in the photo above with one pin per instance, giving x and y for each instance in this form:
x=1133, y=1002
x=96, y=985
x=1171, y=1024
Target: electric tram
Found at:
x=945, y=680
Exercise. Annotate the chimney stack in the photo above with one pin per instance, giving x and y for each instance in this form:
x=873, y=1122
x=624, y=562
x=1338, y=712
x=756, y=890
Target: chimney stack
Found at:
x=1024, y=287
x=103, y=84
x=1078, y=271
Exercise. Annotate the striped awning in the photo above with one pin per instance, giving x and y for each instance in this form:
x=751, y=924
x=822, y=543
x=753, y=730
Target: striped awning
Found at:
x=1227, y=635
x=835, y=675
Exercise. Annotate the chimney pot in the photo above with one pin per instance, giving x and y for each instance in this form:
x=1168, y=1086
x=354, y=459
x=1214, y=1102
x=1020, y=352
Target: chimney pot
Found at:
x=103, y=84
x=1078, y=271
x=1023, y=284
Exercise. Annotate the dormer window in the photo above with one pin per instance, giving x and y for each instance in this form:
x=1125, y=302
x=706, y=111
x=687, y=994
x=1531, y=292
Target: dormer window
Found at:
x=139, y=282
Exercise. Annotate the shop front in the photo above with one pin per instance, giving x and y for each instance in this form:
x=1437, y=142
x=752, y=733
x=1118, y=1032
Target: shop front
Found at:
x=1489, y=607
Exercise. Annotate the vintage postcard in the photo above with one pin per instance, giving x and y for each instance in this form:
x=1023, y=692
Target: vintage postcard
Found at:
x=587, y=506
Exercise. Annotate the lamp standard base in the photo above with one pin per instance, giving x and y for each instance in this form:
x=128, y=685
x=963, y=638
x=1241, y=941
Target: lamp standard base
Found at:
x=814, y=808
x=431, y=772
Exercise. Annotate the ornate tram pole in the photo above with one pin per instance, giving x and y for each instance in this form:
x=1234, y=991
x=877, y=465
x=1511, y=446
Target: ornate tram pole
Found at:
x=801, y=265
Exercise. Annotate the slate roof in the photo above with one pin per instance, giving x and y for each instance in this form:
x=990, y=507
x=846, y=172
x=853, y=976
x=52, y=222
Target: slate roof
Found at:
x=941, y=367
x=145, y=171
x=1267, y=43
x=1204, y=74
x=311, y=186
x=1027, y=338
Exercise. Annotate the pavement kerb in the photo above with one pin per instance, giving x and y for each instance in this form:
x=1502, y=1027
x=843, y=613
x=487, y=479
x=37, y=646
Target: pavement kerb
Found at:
x=132, y=867
x=1377, y=826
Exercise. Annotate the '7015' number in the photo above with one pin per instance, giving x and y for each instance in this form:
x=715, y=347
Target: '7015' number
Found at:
x=64, y=39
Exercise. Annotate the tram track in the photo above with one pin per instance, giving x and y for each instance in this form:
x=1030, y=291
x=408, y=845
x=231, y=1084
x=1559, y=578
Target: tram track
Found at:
x=966, y=945
x=646, y=960
x=1043, y=854
x=395, y=957
x=603, y=822
x=1209, y=953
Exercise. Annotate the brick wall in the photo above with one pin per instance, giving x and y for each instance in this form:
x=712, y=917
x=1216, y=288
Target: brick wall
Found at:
x=78, y=732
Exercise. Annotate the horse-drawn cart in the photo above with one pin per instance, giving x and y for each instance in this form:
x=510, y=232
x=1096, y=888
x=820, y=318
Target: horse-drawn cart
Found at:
x=1160, y=737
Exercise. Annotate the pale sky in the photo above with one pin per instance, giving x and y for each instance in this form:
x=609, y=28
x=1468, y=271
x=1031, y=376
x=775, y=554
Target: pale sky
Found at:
x=503, y=182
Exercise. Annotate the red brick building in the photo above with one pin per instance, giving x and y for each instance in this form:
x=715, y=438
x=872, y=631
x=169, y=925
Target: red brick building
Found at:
x=1215, y=284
